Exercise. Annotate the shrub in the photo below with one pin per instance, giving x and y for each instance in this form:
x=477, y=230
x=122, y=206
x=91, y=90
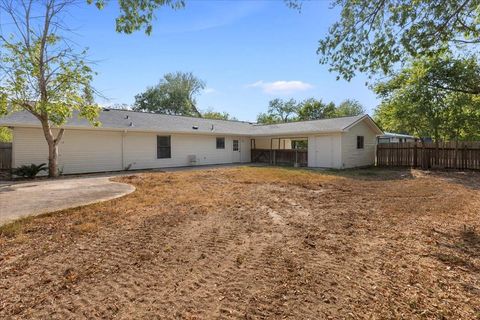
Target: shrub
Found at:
x=29, y=171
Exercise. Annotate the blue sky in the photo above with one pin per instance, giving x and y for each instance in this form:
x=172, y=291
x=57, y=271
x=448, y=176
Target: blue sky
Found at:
x=248, y=52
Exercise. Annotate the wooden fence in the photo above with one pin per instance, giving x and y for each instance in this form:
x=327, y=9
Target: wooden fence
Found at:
x=444, y=155
x=288, y=157
x=5, y=156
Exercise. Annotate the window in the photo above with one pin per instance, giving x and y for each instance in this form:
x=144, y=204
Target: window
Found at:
x=220, y=143
x=163, y=147
x=235, y=145
x=359, y=142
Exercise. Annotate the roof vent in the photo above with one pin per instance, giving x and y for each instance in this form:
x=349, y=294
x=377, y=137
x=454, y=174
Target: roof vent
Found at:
x=195, y=127
x=126, y=117
x=213, y=128
x=131, y=124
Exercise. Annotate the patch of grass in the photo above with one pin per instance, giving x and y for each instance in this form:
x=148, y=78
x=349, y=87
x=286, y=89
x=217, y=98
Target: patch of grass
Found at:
x=13, y=229
x=371, y=173
x=292, y=174
x=86, y=227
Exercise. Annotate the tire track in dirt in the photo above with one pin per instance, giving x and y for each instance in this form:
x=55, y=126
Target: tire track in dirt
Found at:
x=220, y=255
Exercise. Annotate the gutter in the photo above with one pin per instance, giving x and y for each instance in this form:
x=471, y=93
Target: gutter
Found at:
x=213, y=133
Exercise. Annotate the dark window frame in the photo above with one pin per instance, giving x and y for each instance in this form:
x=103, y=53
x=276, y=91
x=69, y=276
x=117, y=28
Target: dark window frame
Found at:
x=164, y=150
x=360, y=142
x=220, y=143
x=236, y=145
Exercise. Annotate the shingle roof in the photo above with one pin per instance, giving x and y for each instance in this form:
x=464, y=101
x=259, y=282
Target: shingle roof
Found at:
x=141, y=121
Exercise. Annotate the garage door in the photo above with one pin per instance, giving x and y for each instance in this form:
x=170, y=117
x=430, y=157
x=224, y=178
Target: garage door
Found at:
x=327, y=151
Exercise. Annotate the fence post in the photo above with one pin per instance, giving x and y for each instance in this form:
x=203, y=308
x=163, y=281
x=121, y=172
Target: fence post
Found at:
x=415, y=154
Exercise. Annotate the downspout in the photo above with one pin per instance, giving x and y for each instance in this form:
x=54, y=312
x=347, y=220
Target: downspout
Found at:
x=12, y=164
x=123, y=149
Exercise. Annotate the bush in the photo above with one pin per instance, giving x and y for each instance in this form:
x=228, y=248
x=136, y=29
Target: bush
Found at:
x=29, y=171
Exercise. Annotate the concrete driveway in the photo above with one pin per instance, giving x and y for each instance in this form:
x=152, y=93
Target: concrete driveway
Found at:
x=32, y=198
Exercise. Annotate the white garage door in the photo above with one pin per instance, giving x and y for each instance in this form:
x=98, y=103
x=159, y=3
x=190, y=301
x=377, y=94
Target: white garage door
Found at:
x=327, y=151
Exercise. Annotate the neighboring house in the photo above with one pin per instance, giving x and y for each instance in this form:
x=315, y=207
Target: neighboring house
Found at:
x=136, y=140
x=390, y=137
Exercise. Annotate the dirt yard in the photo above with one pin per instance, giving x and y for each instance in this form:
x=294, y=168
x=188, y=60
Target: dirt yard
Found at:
x=254, y=243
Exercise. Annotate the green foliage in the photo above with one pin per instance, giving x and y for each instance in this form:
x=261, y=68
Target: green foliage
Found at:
x=310, y=109
x=418, y=100
x=138, y=14
x=5, y=135
x=175, y=94
x=210, y=114
x=282, y=111
x=349, y=108
x=42, y=75
x=373, y=36
x=265, y=118
x=29, y=171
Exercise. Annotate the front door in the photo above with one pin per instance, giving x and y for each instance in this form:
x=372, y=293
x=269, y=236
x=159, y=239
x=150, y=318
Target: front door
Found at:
x=236, y=151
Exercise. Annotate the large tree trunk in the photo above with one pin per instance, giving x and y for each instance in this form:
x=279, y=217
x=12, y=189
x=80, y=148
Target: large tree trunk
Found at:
x=52, y=148
x=52, y=160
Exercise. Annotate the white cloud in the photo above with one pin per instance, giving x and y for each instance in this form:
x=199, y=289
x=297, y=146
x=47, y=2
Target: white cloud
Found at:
x=281, y=87
x=210, y=90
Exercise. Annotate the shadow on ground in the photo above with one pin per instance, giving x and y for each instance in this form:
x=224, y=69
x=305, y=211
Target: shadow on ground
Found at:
x=460, y=249
x=369, y=173
x=468, y=179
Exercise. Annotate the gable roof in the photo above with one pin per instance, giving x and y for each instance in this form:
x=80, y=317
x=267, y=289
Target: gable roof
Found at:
x=113, y=119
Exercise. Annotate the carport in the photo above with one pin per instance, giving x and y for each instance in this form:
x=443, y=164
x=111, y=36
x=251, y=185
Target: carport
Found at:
x=287, y=151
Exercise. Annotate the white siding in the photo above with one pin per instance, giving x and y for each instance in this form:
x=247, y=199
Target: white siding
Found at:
x=353, y=157
x=79, y=151
x=141, y=150
x=325, y=151
x=82, y=151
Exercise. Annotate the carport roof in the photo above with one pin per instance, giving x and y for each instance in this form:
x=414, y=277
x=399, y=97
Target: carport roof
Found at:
x=114, y=119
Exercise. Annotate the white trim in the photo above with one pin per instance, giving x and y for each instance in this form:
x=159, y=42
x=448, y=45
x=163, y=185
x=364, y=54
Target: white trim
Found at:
x=372, y=124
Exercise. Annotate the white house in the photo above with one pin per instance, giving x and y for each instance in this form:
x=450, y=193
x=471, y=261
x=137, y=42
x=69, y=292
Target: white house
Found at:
x=136, y=140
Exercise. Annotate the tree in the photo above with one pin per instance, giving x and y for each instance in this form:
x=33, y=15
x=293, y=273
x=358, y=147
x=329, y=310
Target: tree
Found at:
x=374, y=36
x=210, y=114
x=283, y=110
x=414, y=102
x=175, y=94
x=349, y=108
x=41, y=73
x=312, y=109
x=265, y=118
x=5, y=135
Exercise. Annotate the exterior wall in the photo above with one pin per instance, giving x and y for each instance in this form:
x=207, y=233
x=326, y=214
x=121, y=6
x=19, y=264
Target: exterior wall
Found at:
x=353, y=157
x=82, y=151
x=140, y=150
x=325, y=151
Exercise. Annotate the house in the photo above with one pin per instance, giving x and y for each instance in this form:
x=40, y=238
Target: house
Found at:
x=390, y=137
x=137, y=140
